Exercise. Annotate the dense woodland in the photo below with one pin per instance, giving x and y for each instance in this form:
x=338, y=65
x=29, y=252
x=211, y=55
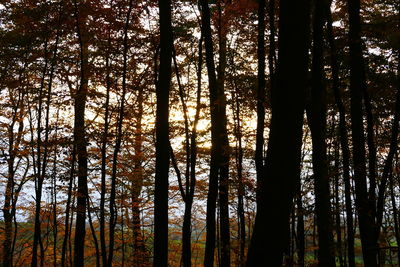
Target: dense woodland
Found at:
x=199, y=133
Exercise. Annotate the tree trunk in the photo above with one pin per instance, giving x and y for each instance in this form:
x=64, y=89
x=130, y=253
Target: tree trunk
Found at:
x=223, y=139
x=317, y=121
x=80, y=138
x=357, y=85
x=191, y=158
x=389, y=160
x=282, y=169
x=118, y=141
x=259, y=155
x=162, y=138
x=215, y=144
x=219, y=166
x=344, y=143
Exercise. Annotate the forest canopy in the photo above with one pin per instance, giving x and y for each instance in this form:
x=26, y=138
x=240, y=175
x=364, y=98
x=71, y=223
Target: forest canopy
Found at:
x=199, y=133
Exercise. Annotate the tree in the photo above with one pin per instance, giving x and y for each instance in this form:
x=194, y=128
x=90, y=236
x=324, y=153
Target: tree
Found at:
x=117, y=147
x=282, y=166
x=343, y=136
x=357, y=86
x=219, y=165
x=91, y=116
x=191, y=158
x=79, y=133
x=162, y=138
x=316, y=114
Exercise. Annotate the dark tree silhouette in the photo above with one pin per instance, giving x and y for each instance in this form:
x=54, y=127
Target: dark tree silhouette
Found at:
x=162, y=138
x=316, y=114
x=79, y=134
x=357, y=86
x=282, y=167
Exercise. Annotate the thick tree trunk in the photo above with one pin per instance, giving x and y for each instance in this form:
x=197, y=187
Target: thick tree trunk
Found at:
x=219, y=166
x=357, y=85
x=282, y=168
x=162, y=138
x=317, y=121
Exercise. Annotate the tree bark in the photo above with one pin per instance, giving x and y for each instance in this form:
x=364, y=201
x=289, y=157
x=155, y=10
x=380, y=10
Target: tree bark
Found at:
x=357, y=85
x=282, y=168
x=80, y=137
x=219, y=165
x=162, y=138
x=215, y=155
x=317, y=121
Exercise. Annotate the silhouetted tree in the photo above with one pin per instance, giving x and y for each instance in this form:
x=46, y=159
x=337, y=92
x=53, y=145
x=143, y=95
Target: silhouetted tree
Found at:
x=162, y=138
